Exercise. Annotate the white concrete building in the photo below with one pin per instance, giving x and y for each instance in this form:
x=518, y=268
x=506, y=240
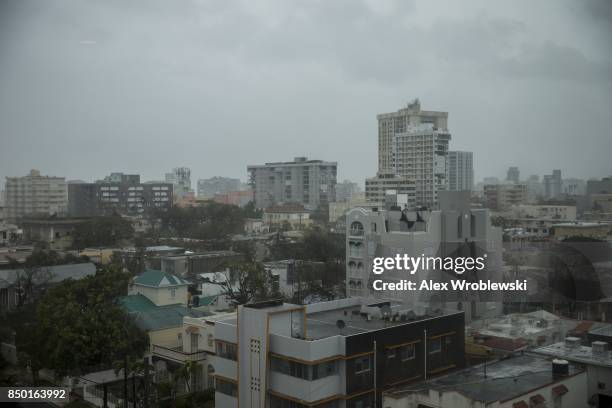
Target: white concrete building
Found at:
x=526, y=381
x=596, y=360
x=338, y=354
x=456, y=230
x=35, y=194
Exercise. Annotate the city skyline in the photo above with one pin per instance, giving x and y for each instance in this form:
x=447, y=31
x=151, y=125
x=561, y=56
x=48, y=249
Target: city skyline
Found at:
x=150, y=94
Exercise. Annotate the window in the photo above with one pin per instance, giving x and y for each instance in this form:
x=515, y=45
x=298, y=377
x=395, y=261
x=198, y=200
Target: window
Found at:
x=362, y=365
x=356, y=228
x=210, y=340
x=226, y=350
x=435, y=346
x=303, y=371
x=407, y=352
x=226, y=387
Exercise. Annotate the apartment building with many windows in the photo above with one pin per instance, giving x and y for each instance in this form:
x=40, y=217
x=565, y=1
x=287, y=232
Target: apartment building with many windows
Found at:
x=413, y=143
x=126, y=195
x=308, y=182
x=460, y=171
x=35, y=194
x=342, y=353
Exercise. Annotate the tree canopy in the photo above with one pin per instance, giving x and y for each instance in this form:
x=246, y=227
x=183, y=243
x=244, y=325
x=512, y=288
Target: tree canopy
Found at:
x=102, y=231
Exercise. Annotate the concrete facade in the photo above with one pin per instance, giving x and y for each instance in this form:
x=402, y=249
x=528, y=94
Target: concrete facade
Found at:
x=413, y=143
x=460, y=171
x=308, y=182
x=35, y=194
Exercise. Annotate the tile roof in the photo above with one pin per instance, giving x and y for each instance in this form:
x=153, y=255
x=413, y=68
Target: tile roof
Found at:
x=158, y=279
x=150, y=317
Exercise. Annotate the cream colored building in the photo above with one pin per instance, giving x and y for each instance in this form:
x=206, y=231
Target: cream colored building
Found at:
x=551, y=212
x=35, y=194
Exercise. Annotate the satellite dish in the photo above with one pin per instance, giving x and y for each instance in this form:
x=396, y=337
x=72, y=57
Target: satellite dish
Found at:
x=340, y=324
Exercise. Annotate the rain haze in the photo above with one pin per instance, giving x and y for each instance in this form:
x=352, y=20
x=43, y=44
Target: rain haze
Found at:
x=91, y=87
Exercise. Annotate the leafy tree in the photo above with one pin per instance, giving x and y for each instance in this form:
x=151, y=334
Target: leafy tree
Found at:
x=83, y=325
x=250, y=211
x=102, y=231
x=209, y=221
x=246, y=282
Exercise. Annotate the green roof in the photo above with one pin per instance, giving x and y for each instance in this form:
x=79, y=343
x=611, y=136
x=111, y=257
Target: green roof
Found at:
x=150, y=317
x=207, y=300
x=137, y=303
x=158, y=278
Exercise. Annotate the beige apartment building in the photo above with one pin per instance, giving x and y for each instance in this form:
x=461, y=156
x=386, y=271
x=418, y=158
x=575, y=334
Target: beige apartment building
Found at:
x=413, y=143
x=35, y=194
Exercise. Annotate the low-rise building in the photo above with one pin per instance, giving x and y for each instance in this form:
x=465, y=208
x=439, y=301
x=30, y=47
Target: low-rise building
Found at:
x=52, y=232
x=157, y=301
x=341, y=353
x=593, y=230
x=190, y=264
x=290, y=216
x=293, y=276
x=597, y=362
x=11, y=281
x=239, y=198
x=526, y=381
x=551, y=212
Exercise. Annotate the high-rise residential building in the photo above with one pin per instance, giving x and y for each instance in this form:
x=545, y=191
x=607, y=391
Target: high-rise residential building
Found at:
x=308, y=182
x=413, y=143
x=208, y=188
x=513, y=175
x=180, y=177
x=460, y=171
x=121, y=193
x=35, y=194
x=345, y=190
x=553, y=185
x=384, y=184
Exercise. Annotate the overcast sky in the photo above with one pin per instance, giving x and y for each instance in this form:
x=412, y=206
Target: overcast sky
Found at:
x=90, y=87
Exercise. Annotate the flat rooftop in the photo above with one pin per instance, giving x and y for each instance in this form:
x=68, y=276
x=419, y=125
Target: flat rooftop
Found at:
x=506, y=379
x=324, y=324
x=578, y=354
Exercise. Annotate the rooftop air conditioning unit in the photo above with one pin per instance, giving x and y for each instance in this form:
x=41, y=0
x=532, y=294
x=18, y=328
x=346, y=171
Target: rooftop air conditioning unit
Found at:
x=572, y=342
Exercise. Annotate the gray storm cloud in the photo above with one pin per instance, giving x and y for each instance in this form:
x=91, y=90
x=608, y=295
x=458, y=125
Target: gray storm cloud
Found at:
x=89, y=87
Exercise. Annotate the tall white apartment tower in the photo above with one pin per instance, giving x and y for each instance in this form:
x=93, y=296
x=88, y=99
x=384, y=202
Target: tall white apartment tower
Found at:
x=460, y=171
x=413, y=143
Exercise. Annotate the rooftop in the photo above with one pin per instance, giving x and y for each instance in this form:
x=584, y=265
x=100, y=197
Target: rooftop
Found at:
x=149, y=317
x=51, y=274
x=158, y=279
x=505, y=379
x=578, y=354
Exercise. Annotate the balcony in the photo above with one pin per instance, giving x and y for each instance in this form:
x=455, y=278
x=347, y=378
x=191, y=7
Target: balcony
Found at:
x=177, y=354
